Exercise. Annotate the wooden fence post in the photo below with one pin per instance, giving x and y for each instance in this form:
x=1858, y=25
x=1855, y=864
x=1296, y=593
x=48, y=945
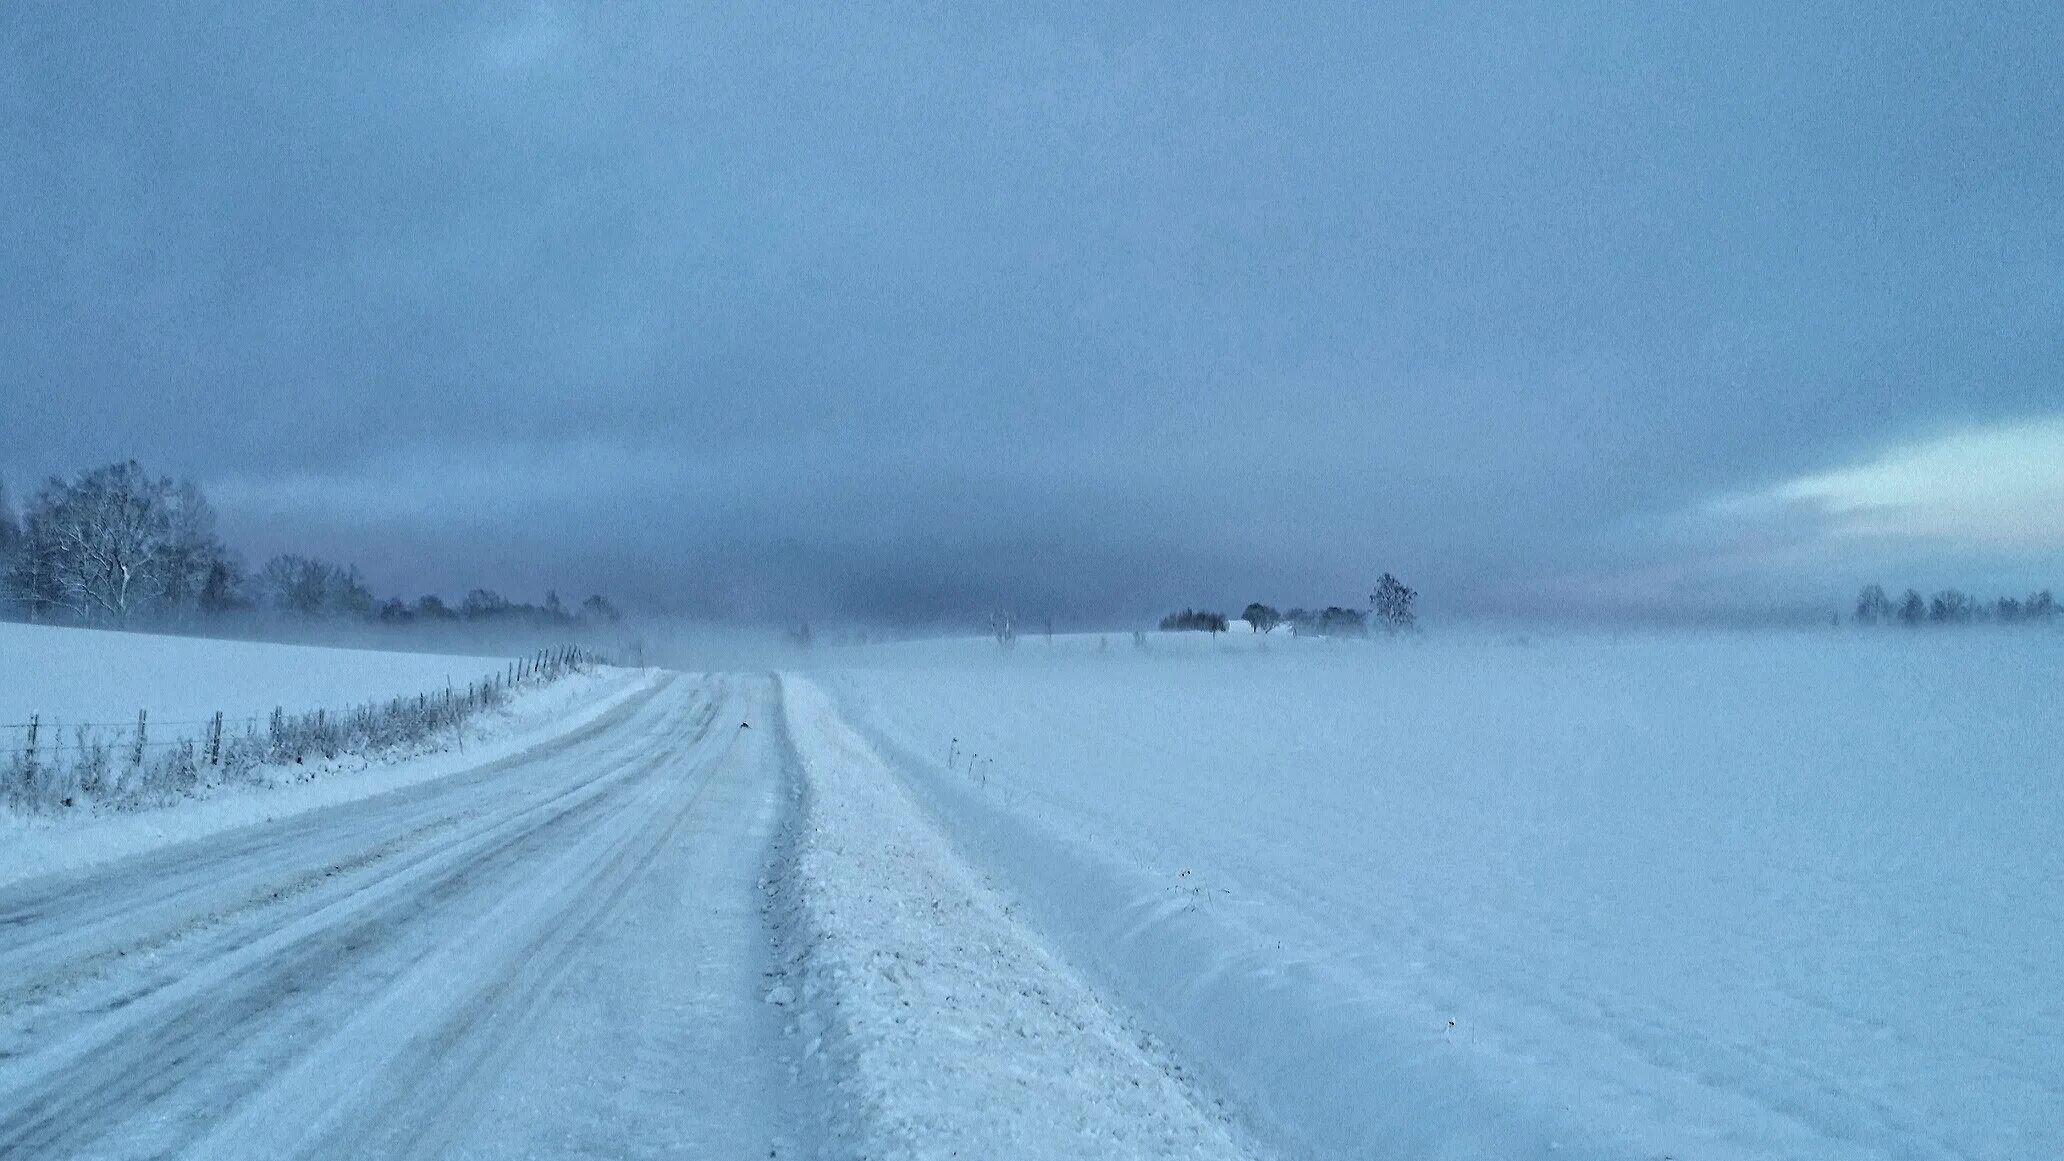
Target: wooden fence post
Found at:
x=142, y=723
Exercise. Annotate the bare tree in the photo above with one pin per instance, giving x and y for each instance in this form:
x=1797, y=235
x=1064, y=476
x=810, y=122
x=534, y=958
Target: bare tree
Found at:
x=1335, y=621
x=1912, y=609
x=30, y=583
x=193, y=558
x=1261, y=618
x=10, y=529
x=291, y=583
x=1194, y=621
x=1873, y=607
x=481, y=603
x=348, y=595
x=10, y=549
x=223, y=590
x=312, y=587
x=1392, y=604
x=1950, y=607
x=597, y=608
x=431, y=607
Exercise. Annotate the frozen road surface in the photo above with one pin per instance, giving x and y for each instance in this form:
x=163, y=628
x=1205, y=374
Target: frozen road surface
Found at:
x=560, y=954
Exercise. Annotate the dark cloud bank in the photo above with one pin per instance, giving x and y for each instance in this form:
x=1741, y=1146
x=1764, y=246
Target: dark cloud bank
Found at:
x=903, y=312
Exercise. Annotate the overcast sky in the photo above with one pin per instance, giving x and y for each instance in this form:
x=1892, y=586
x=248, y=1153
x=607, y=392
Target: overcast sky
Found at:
x=905, y=312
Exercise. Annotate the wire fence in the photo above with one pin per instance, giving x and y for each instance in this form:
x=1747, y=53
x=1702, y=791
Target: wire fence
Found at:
x=155, y=723
x=48, y=766
x=26, y=733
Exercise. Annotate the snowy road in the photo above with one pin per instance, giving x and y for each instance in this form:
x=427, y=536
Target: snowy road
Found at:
x=558, y=954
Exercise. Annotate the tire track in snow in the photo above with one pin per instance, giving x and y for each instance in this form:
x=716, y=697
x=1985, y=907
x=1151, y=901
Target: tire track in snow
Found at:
x=71, y=935
x=215, y=1037
x=454, y=1058
x=143, y=1058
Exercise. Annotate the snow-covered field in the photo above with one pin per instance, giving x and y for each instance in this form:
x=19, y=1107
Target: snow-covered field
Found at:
x=88, y=676
x=36, y=845
x=85, y=675
x=1784, y=896
x=1704, y=896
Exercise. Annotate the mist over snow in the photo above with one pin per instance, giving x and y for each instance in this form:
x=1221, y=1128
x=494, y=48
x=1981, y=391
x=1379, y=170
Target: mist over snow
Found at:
x=1142, y=581
x=1758, y=895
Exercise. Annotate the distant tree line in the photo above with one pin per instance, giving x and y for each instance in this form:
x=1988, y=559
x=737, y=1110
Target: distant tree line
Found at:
x=114, y=546
x=1193, y=621
x=1390, y=609
x=1950, y=607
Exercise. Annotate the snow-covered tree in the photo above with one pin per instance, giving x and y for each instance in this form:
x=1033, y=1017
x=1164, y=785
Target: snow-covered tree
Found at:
x=100, y=542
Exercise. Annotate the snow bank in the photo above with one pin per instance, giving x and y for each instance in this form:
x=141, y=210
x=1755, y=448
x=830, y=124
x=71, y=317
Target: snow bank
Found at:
x=941, y=1028
x=39, y=845
x=1717, y=897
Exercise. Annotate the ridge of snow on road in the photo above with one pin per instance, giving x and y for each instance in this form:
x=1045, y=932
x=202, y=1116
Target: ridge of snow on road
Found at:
x=941, y=1027
x=1725, y=896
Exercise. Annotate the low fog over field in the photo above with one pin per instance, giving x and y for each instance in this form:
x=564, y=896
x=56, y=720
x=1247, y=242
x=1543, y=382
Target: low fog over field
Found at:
x=1717, y=896
x=1044, y=581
